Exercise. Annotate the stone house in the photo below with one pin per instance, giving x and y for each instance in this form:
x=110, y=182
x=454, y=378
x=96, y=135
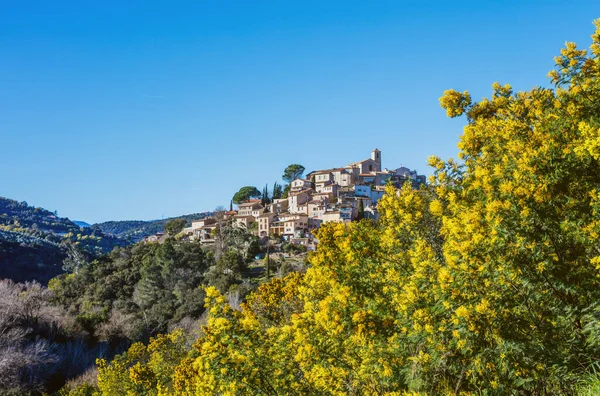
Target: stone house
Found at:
x=300, y=185
x=265, y=221
x=295, y=226
x=316, y=208
x=279, y=206
x=332, y=215
x=246, y=208
x=296, y=199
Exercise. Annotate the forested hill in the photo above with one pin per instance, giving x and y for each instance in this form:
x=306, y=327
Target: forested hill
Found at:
x=34, y=241
x=136, y=230
x=21, y=214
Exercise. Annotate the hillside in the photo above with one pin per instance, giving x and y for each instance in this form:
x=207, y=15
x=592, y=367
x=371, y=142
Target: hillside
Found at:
x=34, y=241
x=136, y=230
x=25, y=257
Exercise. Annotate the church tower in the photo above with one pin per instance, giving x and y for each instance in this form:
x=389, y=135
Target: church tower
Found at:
x=376, y=156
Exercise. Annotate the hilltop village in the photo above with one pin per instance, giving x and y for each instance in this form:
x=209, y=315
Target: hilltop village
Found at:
x=339, y=194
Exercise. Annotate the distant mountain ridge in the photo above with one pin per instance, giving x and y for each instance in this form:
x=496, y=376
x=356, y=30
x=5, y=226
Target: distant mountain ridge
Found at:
x=136, y=230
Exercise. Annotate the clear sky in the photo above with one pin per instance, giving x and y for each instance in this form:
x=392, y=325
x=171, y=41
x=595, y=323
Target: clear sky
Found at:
x=113, y=110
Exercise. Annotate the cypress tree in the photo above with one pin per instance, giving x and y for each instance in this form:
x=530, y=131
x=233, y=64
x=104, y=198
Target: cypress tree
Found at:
x=361, y=210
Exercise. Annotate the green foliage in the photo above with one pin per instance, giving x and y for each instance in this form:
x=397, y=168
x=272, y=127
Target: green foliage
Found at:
x=293, y=172
x=34, y=242
x=227, y=271
x=25, y=257
x=589, y=383
x=265, y=200
x=286, y=191
x=360, y=212
x=175, y=226
x=246, y=193
x=293, y=248
x=149, y=284
x=49, y=336
x=277, y=191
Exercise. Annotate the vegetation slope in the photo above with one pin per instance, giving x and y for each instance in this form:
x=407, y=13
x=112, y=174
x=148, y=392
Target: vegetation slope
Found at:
x=34, y=242
x=52, y=335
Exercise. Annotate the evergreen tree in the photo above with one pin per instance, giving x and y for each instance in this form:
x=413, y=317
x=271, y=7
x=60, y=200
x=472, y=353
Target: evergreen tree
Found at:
x=246, y=193
x=277, y=191
x=293, y=172
x=286, y=191
x=361, y=210
x=265, y=200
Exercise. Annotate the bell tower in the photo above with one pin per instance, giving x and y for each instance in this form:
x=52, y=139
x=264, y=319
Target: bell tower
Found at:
x=376, y=156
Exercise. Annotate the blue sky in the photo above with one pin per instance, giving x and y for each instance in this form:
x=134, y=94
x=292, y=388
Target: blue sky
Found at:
x=117, y=110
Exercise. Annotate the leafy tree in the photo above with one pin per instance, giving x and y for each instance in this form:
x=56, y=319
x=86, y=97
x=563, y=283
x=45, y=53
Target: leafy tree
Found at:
x=175, y=226
x=293, y=172
x=229, y=235
x=227, y=271
x=246, y=193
